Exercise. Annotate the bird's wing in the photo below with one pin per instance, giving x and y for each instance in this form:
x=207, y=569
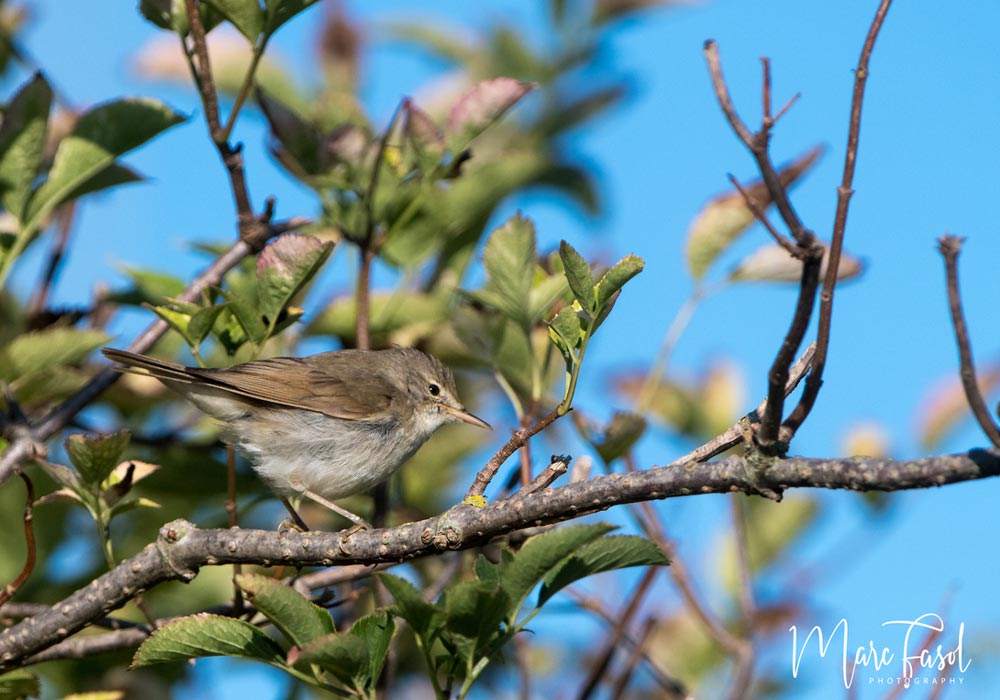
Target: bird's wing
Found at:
x=300, y=383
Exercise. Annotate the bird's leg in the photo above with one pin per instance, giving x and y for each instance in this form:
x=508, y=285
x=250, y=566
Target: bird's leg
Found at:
x=296, y=521
x=360, y=522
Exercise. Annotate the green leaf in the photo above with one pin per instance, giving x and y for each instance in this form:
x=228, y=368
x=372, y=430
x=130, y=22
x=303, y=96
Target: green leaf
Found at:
x=604, y=554
x=578, y=275
x=245, y=15
x=18, y=684
x=343, y=654
x=95, y=457
x=509, y=259
x=101, y=135
x=243, y=305
x=476, y=610
x=487, y=570
x=376, y=630
x=284, y=268
x=288, y=610
x=22, y=143
x=202, y=322
x=540, y=555
x=615, y=278
x=422, y=616
x=207, y=635
x=41, y=351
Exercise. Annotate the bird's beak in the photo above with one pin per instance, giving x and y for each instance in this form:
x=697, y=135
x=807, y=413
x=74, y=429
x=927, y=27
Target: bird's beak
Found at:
x=466, y=417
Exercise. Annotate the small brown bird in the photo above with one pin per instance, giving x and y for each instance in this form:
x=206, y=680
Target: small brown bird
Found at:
x=323, y=426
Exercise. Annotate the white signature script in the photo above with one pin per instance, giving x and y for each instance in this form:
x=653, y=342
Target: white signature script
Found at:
x=912, y=656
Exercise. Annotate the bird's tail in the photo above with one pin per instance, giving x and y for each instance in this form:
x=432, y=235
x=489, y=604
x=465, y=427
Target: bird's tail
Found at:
x=145, y=365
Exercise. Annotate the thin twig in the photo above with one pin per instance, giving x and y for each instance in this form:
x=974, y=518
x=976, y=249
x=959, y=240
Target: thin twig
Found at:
x=362, y=335
x=521, y=653
x=613, y=641
x=517, y=440
x=737, y=432
x=769, y=436
x=757, y=143
x=950, y=246
x=743, y=670
x=29, y=542
x=64, y=226
x=250, y=227
x=761, y=216
x=844, y=192
x=675, y=689
x=621, y=683
x=557, y=467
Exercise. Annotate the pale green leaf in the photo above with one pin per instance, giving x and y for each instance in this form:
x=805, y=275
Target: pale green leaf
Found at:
x=422, y=616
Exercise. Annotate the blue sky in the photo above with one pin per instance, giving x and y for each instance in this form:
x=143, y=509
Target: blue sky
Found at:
x=926, y=166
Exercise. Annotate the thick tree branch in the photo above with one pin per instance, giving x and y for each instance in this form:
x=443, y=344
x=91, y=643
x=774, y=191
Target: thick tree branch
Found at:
x=181, y=549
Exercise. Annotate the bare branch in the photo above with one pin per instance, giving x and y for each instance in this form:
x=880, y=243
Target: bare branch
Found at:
x=739, y=431
x=614, y=640
x=769, y=436
x=557, y=467
x=950, y=246
x=516, y=442
x=762, y=218
x=844, y=192
x=674, y=688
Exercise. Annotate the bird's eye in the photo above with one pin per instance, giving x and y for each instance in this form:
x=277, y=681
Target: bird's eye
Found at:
x=434, y=389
